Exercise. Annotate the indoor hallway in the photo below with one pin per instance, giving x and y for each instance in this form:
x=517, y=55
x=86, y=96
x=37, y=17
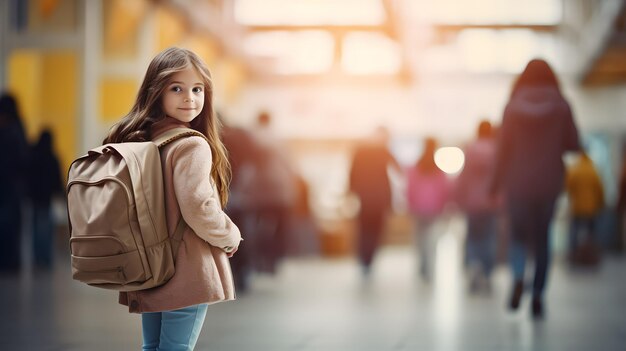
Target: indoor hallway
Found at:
x=324, y=304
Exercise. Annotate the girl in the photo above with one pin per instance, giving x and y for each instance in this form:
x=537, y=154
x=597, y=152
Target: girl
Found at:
x=177, y=92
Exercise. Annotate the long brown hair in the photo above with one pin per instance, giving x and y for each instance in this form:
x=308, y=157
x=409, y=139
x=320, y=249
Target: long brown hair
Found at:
x=148, y=109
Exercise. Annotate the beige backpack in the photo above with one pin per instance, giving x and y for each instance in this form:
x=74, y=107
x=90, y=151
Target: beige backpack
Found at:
x=116, y=209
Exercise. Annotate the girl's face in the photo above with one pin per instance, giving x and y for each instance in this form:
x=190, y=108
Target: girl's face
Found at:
x=183, y=98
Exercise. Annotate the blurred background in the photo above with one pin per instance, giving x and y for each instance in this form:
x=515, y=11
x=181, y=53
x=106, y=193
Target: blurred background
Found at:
x=305, y=82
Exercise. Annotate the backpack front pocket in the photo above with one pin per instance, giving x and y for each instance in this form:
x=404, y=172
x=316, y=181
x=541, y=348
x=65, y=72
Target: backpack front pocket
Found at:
x=117, y=269
x=96, y=246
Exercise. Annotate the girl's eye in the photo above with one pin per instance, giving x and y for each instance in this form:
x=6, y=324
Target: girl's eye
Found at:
x=197, y=90
x=176, y=88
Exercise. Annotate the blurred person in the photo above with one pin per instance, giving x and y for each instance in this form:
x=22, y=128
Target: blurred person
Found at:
x=428, y=193
x=270, y=190
x=44, y=182
x=369, y=181
x=620, y=230
x=621, y=207
x=537, y=130
x=241, y=148
x=473, y=197
x=586, y=197
x=176, y=92
x=13, y=158
x=304, y=239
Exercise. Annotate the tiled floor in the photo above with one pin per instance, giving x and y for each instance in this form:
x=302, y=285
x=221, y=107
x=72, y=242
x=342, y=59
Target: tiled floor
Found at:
x=322, y=304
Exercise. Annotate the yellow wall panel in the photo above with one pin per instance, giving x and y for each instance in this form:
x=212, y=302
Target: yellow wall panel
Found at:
x=24, y=73
x=45, y=84
x=59, y=101
x=122, y=21
x=47, y=16
x=230, y=76
x=205, y=47
x=116, y=97
x=170, y=28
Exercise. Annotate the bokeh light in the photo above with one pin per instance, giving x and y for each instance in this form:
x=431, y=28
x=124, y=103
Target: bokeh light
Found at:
x=450, y=159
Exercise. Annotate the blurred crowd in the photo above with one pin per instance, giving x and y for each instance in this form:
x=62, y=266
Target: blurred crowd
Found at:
x=509, y=186
x=513, y=175
x=29, y=178
x=269, y=201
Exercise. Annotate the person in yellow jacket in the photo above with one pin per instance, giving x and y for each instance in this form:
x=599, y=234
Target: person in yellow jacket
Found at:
x=586, y=197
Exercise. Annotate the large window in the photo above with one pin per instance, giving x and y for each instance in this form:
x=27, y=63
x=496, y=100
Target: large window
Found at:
x=502, y=12
x=370, y=53
x=292, y=52
x=309, y=12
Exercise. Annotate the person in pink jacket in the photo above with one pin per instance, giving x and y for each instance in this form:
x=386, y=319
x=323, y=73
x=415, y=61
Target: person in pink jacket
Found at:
x=428, y=193
x=177, y=92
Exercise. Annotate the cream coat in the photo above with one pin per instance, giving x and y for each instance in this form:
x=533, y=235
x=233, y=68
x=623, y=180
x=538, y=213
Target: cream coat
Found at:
x=203, y=273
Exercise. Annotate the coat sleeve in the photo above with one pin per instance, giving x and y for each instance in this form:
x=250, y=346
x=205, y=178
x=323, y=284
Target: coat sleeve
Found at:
x=197, y=198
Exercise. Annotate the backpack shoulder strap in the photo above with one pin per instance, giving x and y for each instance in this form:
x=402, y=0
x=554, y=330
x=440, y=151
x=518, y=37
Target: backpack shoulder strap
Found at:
x=175, y=134
x=162, y=140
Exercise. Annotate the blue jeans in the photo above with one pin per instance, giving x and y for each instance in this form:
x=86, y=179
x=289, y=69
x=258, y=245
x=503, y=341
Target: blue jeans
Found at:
x=173, y=330
x=585, y=224
x=480, y=244
x=530, y=225
x=371, y=223
x=427, y=235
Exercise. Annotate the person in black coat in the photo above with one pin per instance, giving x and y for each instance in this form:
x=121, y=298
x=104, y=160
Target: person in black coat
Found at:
x=13, y=156
x=241, y=153
x=370, y=182
x=44, y=181
x=537, y=130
